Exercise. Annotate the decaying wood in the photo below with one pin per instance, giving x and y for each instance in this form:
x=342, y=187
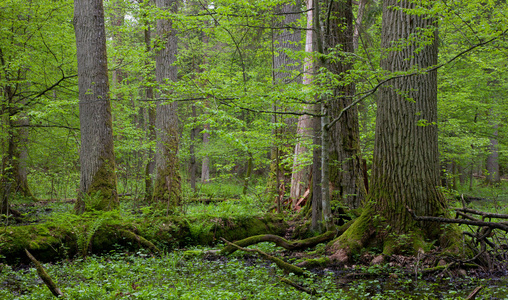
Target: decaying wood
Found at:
x=279, y=262
x=460, y=221
x=44, y=276
x=141, y=240
x=281, y=242
x=474, y=293
x=297, y=286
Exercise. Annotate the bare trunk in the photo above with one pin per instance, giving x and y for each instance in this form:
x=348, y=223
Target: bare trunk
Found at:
x=205, y=166
x=317, y=210
x=346, y=174
x=287, y=41
x=193, y=167
x=358, y=23
x=300, y=174
x=98, y=176
x=167, y=188
x=150, y=165
x=493, y=176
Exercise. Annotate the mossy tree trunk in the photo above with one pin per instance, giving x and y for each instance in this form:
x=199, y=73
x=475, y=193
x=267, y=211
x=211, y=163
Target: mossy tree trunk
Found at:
x=346, y=176
x=98, y=177
x=405, y=164
x=167, y=188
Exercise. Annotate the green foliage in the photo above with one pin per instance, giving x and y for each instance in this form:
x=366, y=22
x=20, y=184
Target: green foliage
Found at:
x=176, y=276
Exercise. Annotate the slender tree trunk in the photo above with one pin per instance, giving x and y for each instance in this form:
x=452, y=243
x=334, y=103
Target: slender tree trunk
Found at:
x=150, y=165
x=317, y=216
x=167, y=181
x=193, y=167
x=286, y=41
x=346, y=174
x=300, y=174
x=98, y=175
x=205, y=165
x=492, y=164
x=358, y=23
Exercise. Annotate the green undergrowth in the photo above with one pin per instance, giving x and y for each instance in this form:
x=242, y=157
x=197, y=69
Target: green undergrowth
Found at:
x=124, y=275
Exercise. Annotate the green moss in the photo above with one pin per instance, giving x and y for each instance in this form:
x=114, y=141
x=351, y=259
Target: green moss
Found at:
x=167, y=191
x=352, y=240
x=316, y=262
x=102, y=194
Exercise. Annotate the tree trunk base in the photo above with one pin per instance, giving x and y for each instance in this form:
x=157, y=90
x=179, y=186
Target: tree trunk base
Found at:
x=368, y=231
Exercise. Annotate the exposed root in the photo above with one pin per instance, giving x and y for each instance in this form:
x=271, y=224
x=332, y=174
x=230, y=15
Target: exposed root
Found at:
x=279, y=241
x=279, y=262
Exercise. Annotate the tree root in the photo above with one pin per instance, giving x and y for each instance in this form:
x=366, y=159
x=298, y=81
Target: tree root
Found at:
x=279, y=241
x=44, y=276
x=279, y=262
x=141, y=240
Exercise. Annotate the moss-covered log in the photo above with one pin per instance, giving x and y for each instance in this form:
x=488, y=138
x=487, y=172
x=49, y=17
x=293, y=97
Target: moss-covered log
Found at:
x=279, y=241
x=45, y=276
x=58, y=239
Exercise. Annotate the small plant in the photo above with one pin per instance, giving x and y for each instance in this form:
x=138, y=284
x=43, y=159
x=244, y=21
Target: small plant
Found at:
x=85, y=236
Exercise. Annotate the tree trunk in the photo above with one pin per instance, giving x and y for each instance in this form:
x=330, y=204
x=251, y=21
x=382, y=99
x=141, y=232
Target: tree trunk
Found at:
x=98, y=176
x=492, y=164
x=300, y=172
x=346, y=175
x=316, y=224
x=405, y=164
x=150, y=165
x=287, y=41
x=193, y=167
x=205, y=166
x=167, y=181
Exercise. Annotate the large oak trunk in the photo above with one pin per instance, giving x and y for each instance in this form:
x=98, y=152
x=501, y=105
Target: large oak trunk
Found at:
x=98, y=176
x=405, y=165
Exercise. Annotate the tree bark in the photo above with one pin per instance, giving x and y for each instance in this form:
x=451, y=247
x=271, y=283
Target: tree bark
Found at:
x=285, y=41
x=300, y=172
x=167, y=181
x=98, y=176
x=345, y=164
x=405, y=164
x=151, y=136
x=205, y=165
x=493, y=176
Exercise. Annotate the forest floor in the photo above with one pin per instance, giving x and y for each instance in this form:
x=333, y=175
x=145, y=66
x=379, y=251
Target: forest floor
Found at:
x=193, y=272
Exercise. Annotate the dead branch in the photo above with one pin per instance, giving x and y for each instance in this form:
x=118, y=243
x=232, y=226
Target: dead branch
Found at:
x=45, y=276
x=279, y=262
x=474, y=293
x=484, y=215
x=297, y=286
x=458, y=221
